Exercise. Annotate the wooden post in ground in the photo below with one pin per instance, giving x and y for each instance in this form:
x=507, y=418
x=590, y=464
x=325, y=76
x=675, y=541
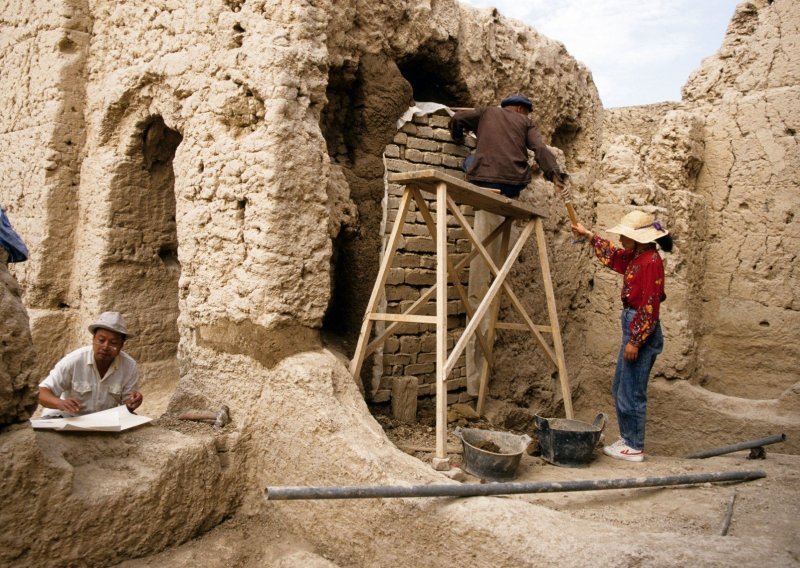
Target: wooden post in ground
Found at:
x=441, y=461
x=566, y=392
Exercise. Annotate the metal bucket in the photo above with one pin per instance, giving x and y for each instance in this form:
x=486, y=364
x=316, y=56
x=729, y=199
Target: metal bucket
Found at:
x=568, y=443
x=495, y=466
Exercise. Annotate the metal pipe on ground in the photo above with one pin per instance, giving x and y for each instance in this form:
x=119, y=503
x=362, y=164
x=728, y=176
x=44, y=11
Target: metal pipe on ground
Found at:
x=510, y=488
x=737, y=447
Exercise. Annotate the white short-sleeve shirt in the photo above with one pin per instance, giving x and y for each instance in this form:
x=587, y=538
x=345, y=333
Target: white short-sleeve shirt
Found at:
x=76, y=376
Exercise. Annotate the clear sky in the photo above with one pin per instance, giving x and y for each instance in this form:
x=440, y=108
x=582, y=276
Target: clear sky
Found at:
x=639, y=51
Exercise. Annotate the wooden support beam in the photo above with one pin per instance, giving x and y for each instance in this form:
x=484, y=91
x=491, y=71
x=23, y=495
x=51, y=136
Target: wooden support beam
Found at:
x=441, y=326
x=404, y=318
x=493, y=290
x=427, y=295
x=454, y=274
x=380, y=282
x=511, y=295
x=566, y=391
x=486, y=365
x=522, y=327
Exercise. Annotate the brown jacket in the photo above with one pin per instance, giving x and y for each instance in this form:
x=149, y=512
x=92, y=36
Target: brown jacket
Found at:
x=504, y=137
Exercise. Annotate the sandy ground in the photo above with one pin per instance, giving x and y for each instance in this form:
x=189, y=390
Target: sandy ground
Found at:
x=764, y=511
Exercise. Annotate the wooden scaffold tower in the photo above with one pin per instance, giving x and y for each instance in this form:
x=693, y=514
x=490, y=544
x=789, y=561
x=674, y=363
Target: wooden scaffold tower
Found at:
x=450, y=193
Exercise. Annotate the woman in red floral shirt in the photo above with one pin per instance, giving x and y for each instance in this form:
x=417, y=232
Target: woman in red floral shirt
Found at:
x=642, y=293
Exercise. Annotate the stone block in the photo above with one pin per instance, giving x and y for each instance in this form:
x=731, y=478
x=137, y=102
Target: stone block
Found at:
x=382, y=395
x=409, y=344
x=419, y=244
x=402, y=166
x=404, y=398
x=392, y=151
x=418, y=369
x=398, y=359
x=391, y=345
x=432, y=158
x=422, y=144
x=453, y=162
x=394, y=293
x=455, y=150
x=395, y=276
x=420, y=277
x=406, y=260
x=439, y=120
x=426, y=358
x=414, y=155
x=441, y=134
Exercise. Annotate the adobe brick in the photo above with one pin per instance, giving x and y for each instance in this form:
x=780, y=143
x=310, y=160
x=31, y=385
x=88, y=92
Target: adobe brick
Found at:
x=422, y=144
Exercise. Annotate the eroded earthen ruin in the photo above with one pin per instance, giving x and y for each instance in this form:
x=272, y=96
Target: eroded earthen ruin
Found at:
x=216, y=172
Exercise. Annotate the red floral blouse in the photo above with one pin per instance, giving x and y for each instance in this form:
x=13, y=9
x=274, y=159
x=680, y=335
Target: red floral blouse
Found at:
x=642, y=284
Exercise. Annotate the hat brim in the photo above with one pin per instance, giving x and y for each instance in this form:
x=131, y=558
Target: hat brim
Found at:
x=94, y=327
x=643, y=236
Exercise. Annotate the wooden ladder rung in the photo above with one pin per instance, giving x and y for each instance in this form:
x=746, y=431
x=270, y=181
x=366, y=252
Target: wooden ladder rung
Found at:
x=375, y=316
x=523, y=327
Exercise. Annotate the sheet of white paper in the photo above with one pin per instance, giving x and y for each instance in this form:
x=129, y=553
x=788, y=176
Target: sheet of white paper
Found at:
x=422, y=108
x=111, y=420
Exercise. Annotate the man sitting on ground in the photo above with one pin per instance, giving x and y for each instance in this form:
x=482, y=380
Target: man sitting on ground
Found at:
x=96, y=377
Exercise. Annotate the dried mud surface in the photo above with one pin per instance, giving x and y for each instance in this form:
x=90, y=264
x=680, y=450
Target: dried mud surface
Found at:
x=764, y=513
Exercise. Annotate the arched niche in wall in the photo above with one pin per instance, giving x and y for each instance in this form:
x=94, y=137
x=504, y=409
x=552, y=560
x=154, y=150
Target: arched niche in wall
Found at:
x=139, y=275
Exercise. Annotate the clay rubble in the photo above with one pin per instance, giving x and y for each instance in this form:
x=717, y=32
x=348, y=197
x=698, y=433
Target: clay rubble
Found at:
x=160, y=156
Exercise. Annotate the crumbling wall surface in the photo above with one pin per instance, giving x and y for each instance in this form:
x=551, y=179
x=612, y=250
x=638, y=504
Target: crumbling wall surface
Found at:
x=750, y=95
x=651, y=159
x=41, y=141
x=18, y=384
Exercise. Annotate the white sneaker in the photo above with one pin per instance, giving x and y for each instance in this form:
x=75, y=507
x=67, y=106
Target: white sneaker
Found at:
x=621, y=451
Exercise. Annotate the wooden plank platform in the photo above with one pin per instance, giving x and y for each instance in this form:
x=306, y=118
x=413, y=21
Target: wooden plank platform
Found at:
x=465, y=193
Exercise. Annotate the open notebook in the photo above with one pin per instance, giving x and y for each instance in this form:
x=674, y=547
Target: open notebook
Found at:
x=111, y=420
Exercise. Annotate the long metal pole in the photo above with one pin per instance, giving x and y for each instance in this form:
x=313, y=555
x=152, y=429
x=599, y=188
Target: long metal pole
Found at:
x=474, y=489
x=737, y=447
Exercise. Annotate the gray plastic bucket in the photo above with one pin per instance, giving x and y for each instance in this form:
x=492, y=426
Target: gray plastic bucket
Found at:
x=500, y=466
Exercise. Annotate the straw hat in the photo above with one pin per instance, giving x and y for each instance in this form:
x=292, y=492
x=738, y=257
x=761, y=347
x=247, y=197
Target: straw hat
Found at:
x=112, y=321
x=639, y=226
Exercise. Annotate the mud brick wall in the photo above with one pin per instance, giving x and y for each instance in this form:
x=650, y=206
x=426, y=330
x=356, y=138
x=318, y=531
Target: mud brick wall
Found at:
x=422, y=143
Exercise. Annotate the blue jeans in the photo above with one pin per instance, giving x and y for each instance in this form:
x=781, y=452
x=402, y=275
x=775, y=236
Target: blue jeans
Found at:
x=630, y=383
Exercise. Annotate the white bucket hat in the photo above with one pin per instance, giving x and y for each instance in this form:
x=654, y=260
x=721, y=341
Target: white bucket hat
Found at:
x=112, y=321
x=639, y=226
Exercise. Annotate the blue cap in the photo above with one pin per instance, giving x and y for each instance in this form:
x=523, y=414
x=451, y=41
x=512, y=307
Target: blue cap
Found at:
x=520, y=100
